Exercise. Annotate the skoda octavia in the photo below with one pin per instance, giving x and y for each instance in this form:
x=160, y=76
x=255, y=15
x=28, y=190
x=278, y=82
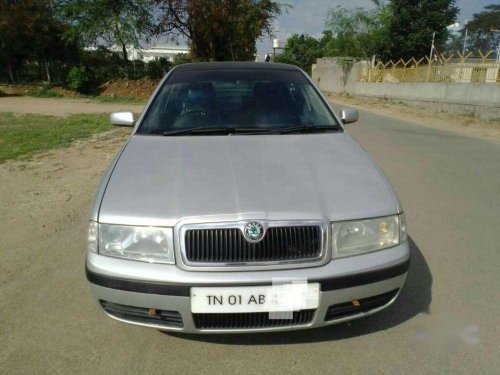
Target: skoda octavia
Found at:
x=241, y=204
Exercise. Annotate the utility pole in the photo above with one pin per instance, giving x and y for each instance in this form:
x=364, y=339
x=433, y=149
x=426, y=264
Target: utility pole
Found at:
x=498, y=48
x=432, y=46
x=465, y=41
x=430, y=58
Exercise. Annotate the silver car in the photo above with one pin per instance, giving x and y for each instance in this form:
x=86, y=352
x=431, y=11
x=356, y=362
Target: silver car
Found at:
x=240, y=204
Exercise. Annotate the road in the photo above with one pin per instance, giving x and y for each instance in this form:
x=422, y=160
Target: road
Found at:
x=445, y=321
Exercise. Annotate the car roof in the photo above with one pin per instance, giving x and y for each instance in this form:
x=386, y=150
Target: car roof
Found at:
x=234, y=65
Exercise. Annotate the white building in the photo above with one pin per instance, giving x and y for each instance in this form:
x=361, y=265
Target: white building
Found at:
x=151, y=53
x=168, y=52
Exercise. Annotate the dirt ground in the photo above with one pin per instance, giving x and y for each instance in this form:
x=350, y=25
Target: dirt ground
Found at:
x=61, y=107
x=42, y=193
x=124, y=88
x=41, y=206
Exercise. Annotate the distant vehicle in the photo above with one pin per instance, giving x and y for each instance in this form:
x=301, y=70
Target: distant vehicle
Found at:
x=240, y=204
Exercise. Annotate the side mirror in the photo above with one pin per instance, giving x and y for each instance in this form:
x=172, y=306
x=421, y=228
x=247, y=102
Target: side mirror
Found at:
x=349, y=115
x=122, y=118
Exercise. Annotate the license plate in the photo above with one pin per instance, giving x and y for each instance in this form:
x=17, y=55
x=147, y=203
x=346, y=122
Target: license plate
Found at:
x=273, y=298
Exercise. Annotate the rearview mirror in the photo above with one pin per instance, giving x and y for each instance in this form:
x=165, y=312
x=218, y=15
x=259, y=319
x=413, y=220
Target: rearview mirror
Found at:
x=122, y=118
x=349, y=115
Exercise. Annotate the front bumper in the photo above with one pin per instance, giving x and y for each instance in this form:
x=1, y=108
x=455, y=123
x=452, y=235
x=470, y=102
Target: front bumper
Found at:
x=166, y=288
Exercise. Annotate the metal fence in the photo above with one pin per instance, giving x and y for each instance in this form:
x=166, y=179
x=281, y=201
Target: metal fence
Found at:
x=452, y=68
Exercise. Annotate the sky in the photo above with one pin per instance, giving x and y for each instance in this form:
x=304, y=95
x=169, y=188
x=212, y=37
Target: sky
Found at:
x=308, y=17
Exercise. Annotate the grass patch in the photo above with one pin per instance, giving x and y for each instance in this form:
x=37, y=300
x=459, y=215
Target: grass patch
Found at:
x=399, y=102
x=48, y=93
x=116, y=99
x=44, y=92
x=23, y=135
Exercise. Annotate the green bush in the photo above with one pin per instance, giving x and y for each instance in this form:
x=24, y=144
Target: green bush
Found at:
x=158, y=68
x=103, y=65
x=80, y=79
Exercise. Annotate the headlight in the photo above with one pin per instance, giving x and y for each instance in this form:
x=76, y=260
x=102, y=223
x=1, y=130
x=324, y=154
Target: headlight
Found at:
x=147, y=244
x=363, y=236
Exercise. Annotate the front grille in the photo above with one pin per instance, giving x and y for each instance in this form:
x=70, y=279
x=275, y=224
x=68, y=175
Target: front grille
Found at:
x=228, y=245
x=250, y=320
x=143, y=315
x=342, y=310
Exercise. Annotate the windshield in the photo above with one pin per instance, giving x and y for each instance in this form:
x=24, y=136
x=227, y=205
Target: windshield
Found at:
x=259, y=100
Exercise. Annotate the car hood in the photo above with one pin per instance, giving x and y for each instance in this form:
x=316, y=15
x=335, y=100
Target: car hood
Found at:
x=166, y=181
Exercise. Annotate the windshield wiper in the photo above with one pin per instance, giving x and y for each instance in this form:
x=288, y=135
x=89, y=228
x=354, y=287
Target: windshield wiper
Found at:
x=199, y=130
x=227, y=130
x=305, y=128
x=224, y=130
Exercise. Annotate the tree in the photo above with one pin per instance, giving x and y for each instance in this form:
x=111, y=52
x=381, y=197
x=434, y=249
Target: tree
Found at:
x=218, y=30
x=29, y=31
x=484, y=29
x=14, y=38
x=120, y=22
x=19, y=24
x=455, y=43
x=49, y=44
x=357, y=32
x=301, y=50
x=486, y=20
x=413, y=23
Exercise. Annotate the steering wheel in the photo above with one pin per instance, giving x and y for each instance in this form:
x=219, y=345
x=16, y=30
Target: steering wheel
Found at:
x=200, y=116
x=191, y=112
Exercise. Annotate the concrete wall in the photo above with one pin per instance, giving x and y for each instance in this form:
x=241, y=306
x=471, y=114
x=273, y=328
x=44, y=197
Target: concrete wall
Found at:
x=480, y=99
x=331, y=76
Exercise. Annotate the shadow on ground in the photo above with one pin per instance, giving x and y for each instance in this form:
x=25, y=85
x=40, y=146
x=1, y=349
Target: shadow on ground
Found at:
x=415, y=298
